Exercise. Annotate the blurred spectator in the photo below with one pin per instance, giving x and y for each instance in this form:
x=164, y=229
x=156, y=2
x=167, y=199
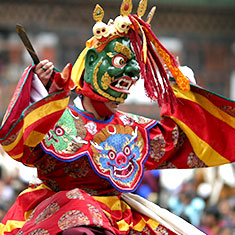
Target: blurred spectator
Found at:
x=12, y=181
x=211, y=222
x=227, y=211
x=188, y=206
x=6, y=191
x=225, y=231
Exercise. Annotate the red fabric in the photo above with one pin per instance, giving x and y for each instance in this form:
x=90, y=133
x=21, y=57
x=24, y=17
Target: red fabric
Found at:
x=62, y=80
x=206, y=121
x=65, y=210
x=18, y=102
x=62, y=212
x=212, y=123
x=101, y=108
x=167, y=145
x=85, y=231
x=23, y=204
x=19, y=109
x=87, y=90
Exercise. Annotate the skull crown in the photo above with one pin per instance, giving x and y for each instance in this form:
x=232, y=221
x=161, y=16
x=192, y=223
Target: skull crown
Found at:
x=118, y=27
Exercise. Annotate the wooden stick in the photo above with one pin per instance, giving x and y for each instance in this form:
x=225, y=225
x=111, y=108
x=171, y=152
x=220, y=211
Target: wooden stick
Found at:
x=24, y=38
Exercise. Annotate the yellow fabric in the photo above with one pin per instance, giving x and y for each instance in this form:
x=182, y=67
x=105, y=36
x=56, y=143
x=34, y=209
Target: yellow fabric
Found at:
x=15, y=156
x=45, y=110
x=153, y=224
x=142, y=223
x=79, y=65
x=123, y=225
x=115, y=204
x=203, y=150
x=27, y=214
x=78, y=68
x=140, y=226
x=40, y=187
x=206, y=104
x=34, y=138
x=35, y=115
x=10, y=226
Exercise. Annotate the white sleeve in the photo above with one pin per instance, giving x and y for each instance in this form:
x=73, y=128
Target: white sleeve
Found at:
x=188, y=72
x=38, y=91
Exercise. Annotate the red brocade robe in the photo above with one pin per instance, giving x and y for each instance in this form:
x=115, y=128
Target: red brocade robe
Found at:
x=85, y=165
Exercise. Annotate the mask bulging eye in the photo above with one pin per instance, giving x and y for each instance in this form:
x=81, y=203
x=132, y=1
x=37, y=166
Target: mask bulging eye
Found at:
x=111, y=154
x=59, y=131
x=127, y=150
x=119, y=61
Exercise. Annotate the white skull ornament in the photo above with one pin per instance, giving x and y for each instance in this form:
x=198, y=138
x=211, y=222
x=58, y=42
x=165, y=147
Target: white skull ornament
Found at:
x=122, y=24
x=101, y=30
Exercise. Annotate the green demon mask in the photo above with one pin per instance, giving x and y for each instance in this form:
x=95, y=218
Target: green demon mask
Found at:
x=112, y=71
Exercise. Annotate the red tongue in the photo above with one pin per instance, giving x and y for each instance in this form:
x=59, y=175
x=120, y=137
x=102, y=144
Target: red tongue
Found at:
x=124, y=84
x=122, y=172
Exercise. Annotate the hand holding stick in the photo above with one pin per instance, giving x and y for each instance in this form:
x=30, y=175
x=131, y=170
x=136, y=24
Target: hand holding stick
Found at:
x=44, y=69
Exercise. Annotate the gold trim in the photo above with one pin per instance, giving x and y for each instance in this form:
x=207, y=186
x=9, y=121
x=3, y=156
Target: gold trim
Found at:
x=123, y=11
x=97, y=88
x=40, y=187
x=120, y=48
x=142, y=8
x=98, y=13
x=106, y=80
x=11, y=225
x=110, y=54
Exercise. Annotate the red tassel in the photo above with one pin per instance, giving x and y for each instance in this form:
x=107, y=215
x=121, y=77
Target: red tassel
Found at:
x=148, y=29
x=155, y=90
x=154, y=81
x=138, y=53
x=137, y=46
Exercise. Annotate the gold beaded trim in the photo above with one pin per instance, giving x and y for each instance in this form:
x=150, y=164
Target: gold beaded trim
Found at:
x=102, y=93
x=120, y=48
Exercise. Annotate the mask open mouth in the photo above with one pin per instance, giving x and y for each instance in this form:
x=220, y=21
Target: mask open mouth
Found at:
x=122, y=84
x=124, y=172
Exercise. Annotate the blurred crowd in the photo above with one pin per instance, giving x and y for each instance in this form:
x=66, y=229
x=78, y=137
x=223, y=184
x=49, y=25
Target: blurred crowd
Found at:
x=14, y=178
x=203, y=197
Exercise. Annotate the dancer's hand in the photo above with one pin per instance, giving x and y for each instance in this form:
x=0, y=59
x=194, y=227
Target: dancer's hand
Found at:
x=44, y=70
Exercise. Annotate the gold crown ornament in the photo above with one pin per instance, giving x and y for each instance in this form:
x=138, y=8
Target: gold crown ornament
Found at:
x=119, y=27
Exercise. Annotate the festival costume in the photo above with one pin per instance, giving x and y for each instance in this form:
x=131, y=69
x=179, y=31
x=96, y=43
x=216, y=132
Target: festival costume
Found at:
x=88, y=167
